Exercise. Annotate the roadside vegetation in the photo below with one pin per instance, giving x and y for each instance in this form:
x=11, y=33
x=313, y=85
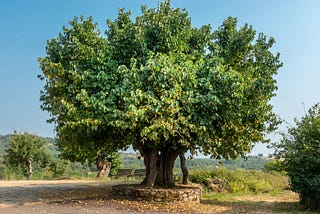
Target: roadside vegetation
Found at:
x=239, y=181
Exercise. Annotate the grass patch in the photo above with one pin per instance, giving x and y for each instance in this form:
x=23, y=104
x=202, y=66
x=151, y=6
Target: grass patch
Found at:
x=242, y=181
x=222, y=197
x=284, y=202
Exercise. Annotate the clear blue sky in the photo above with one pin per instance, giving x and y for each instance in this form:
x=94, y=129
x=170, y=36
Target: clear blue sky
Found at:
x=27, y=25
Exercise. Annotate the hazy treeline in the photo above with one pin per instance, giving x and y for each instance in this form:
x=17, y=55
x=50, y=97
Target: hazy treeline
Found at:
x=128, y=160
x=133, y=160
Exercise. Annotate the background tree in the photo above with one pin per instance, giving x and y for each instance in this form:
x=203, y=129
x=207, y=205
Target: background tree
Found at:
x=300, y=150
x=3, y=143
x=105, y=159
x=162, y=85
x=24, y=151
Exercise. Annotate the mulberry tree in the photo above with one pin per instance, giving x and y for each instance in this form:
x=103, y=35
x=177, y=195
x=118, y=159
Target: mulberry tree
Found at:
x=161, y=85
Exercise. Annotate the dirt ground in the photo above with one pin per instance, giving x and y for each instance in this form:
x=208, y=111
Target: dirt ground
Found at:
x=58, y=196
x=93, y=196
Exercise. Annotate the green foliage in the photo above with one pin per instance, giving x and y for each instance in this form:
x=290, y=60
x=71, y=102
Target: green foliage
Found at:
x=242, y=181
x=80, y=170
x=58, y=167
x=24, y=147
x=132, y=160
x=115, y=161
x=300, y=149
x=251, y=162
x=16, y=173
x=159, y=84
x=3, y=143
x=157, y=81
x=275, y=166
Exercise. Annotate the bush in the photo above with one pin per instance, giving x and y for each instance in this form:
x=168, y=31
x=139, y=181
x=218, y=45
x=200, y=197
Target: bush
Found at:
x=275, y=166
x=8, y=173
x=242, y=181
x=300, y=149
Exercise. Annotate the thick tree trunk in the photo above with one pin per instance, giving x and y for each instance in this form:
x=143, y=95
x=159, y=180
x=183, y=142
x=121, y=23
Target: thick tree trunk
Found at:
x=103, y=167
x=167, y=158
x=184, y=169
x=159, y=165
x=150, y=159
x=30, y=170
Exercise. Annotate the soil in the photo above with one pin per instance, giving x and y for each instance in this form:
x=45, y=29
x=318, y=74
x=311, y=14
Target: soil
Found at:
x=60, y=196
x=93, y=196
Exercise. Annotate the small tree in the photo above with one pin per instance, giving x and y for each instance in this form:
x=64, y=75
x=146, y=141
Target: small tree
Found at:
x=24, y=151
x=105, y=158
x=300, y=149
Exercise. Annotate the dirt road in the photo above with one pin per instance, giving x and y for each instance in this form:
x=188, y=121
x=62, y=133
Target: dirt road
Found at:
x=59, y=197
x=93, y=197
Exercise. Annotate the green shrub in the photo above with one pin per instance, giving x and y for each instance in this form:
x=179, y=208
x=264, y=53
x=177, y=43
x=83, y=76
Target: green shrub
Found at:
x=300, y=150
x=242, y=181
x=12, y=174
x=275, y=166
x=200, y=177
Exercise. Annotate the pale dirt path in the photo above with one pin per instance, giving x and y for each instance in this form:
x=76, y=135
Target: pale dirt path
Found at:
x=14, y=193
x=59, y=197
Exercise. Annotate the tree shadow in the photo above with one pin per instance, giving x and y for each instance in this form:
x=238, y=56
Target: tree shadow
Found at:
x=58, y=193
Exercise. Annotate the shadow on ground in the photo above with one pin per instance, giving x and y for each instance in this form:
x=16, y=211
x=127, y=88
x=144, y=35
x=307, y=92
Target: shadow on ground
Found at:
x=94, y=197
x=49, y=193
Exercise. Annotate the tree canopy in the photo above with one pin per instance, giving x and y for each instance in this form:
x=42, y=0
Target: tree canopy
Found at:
x=25, y=150
x=160, y=84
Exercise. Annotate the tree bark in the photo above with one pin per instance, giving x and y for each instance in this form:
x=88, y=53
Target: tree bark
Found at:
x=103, y=167
x=159, y=165
x=152, y=168
x=30, y=170
x=184, y=169
x=150, y=159
x=167, y=158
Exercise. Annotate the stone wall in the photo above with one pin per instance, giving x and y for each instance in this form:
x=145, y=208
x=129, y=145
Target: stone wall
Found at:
x=179, y=194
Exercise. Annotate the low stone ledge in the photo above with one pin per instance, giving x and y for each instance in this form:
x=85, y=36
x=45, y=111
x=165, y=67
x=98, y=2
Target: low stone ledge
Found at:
x=185, y=194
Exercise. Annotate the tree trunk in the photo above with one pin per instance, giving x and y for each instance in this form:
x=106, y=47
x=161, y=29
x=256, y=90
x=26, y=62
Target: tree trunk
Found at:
x=159, y=165
x=103, y=167
x=150, y=159
x=184, y=169
x=30, y=171
x=166, y=163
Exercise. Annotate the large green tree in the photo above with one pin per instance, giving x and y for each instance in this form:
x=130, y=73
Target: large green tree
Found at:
x=162, y=85
x=300, y=151
x=26, y=150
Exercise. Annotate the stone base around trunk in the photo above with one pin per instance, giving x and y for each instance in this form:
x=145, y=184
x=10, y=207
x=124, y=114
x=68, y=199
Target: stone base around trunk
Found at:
x=185, y=193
